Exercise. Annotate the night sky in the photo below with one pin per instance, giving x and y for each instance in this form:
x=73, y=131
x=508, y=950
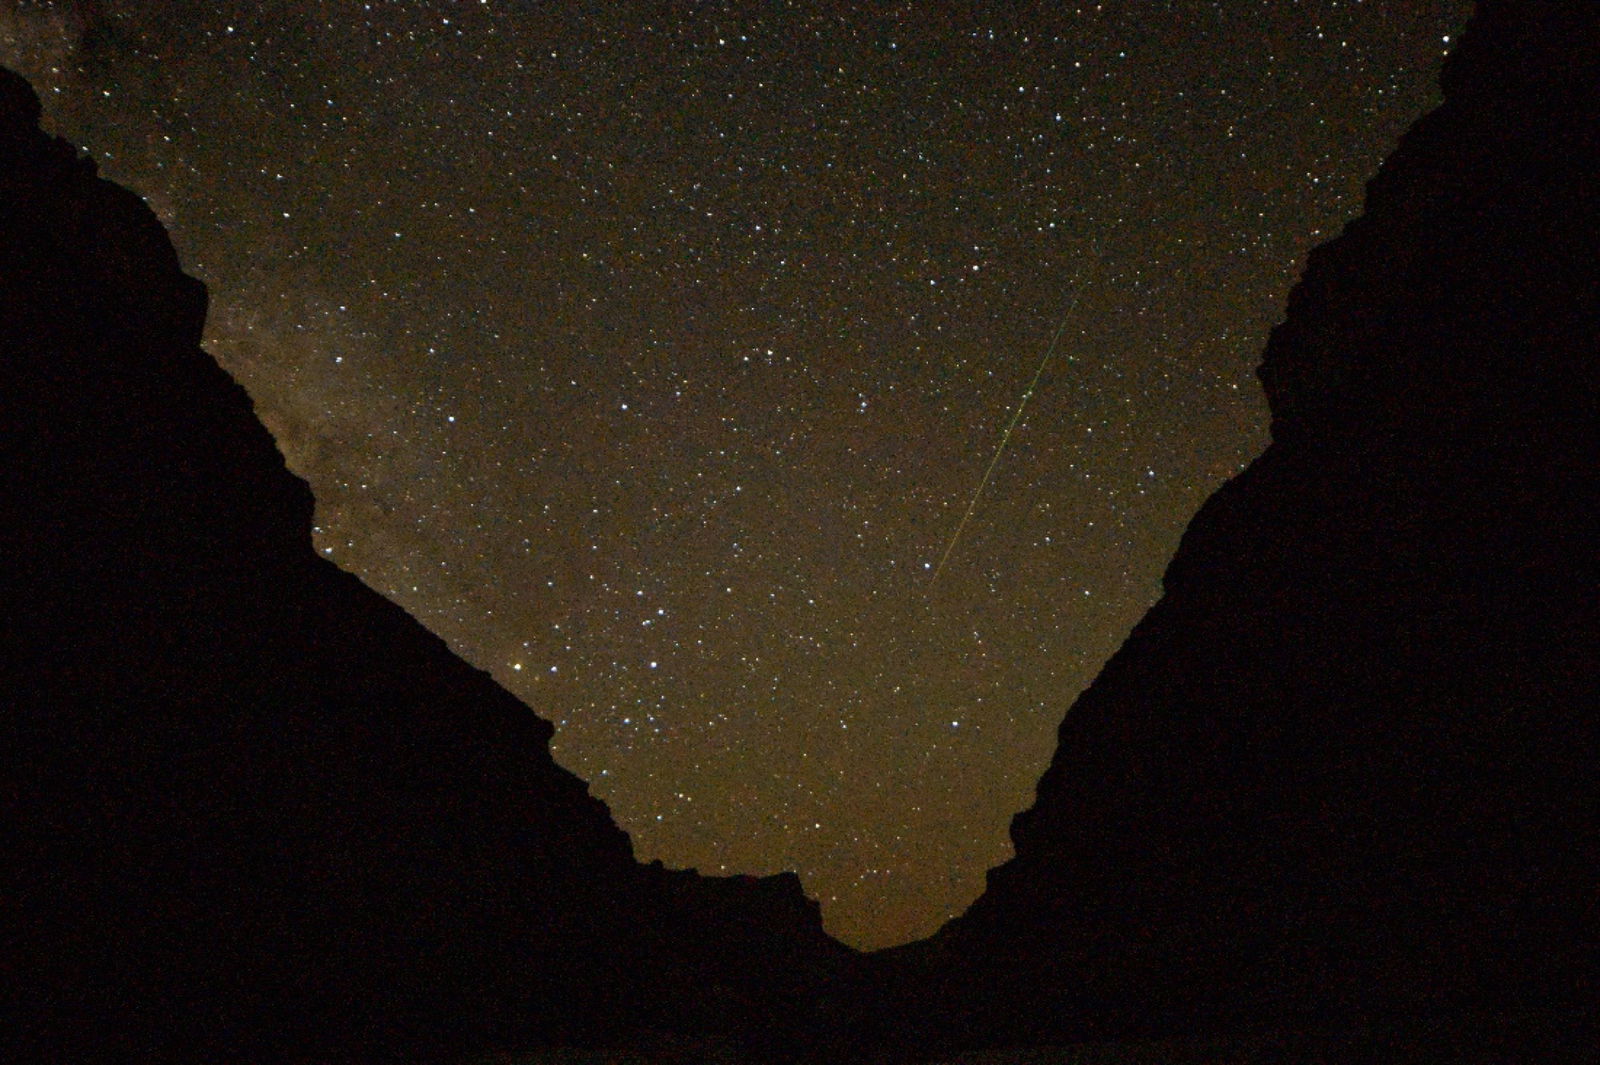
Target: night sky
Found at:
x=652, y=353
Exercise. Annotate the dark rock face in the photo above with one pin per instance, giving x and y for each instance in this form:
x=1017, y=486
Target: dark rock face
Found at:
x=1347, y=766
x=1346, y=769
x=254, y=811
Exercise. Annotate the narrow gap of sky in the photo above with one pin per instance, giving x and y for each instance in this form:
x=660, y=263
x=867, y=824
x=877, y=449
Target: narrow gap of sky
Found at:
x=651, y=355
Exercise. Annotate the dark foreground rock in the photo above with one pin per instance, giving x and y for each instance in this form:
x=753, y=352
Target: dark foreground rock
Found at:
x=1336, y=799
x=1346, y=768
x=252, y=810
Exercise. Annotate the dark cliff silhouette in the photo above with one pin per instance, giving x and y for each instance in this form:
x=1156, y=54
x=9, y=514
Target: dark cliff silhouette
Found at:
x=1346, y=769
x=252, y=810
x=1344, y=773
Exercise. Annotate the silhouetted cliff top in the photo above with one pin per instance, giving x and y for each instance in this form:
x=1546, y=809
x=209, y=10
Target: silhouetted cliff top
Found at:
x=262, y=813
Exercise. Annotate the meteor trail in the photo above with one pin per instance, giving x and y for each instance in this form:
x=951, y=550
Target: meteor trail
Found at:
x=1016, y=417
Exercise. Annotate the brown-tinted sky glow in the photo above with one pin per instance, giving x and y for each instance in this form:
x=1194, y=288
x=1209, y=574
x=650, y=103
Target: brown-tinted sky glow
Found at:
x=651, y=353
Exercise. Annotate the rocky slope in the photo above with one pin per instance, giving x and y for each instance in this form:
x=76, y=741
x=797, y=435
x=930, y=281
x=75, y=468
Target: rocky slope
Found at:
x=252, y=809
x=1342, y=774
x=1346, y=767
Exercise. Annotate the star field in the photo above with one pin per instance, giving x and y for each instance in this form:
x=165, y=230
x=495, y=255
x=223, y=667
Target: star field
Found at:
x=651, y=354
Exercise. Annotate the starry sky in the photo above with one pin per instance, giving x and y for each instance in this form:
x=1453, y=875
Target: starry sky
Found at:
x=651, y=353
